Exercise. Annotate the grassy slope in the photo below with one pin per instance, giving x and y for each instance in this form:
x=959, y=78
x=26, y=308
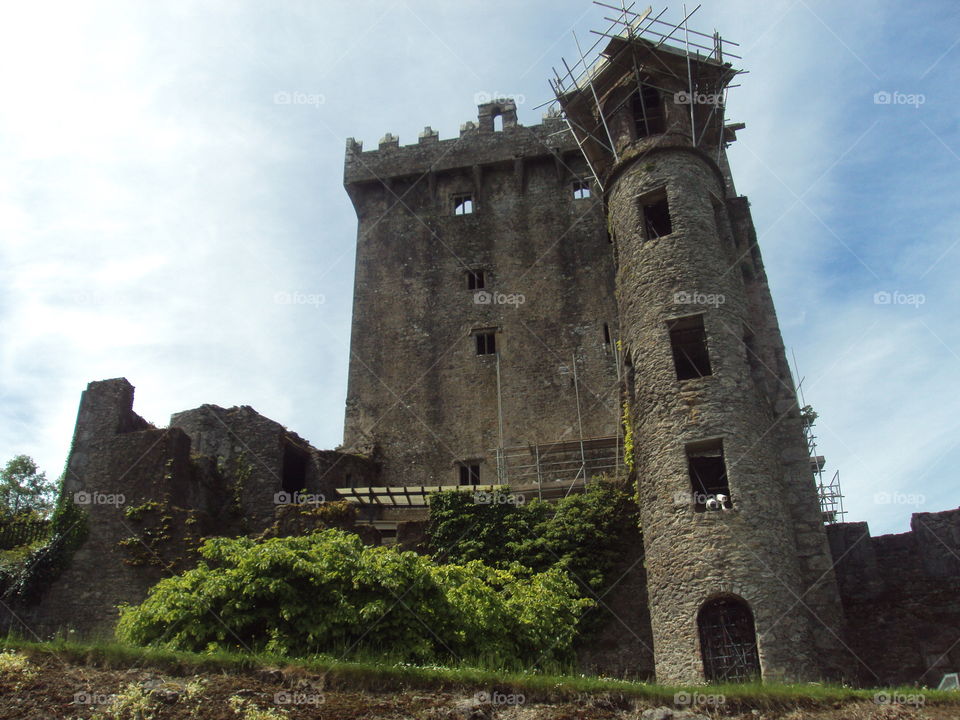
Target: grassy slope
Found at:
x=386, y=677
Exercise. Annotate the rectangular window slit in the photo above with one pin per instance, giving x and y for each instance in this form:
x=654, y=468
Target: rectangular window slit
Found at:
x=463, y=204
x=469, y=474
x=708, y=476
x=688, y=341
x=656, y=215
x=486, y=342
x=475, y=280
x=581, y=190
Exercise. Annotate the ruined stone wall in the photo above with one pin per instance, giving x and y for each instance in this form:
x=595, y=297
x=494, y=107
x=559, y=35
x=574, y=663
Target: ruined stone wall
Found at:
x=258, y=457
x=150, y=495
x=901, y=595
x=120, y=463
x=418, y=390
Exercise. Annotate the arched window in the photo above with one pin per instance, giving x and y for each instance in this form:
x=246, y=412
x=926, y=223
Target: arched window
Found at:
x=728, y=641
x=647, y=105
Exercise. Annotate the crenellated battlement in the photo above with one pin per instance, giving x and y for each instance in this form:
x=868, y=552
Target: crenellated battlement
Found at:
x=478, y=144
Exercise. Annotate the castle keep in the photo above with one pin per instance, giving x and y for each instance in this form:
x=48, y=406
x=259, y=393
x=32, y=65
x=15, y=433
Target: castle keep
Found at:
x=537, y=306
x=637, y=264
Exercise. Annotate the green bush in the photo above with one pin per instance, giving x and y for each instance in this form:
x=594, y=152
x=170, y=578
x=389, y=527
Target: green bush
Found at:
x=328, y=592
x=583, y=534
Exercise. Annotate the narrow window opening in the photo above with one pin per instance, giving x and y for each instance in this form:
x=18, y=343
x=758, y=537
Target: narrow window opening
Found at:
x=708, y=476
x=606, y=334
x=349, y=480
x=581, y=190
x=647, y=112
x=719, y=219
x=486, y=342
x=688, y=340
x=656, y=215
x=469, y=474
x=463, y=204
x=728, y=641
x=750, y=344
x=293, y=476
x=475, y=279
x=497, y=123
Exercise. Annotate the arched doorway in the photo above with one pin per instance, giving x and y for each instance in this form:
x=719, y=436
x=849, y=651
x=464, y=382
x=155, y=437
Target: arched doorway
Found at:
x=728, y=641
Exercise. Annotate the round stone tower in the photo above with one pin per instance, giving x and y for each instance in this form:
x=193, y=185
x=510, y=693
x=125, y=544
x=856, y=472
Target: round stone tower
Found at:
x=740, y=582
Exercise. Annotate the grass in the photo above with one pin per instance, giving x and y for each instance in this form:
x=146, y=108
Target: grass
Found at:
x=381, y=676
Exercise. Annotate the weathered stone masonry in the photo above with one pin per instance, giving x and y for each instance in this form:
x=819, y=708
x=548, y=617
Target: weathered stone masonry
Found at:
x=418, y=391
x=515, y=289
x=151, y=493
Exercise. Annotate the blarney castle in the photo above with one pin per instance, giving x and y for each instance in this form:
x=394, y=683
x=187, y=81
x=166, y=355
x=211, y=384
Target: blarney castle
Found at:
x=530, y=304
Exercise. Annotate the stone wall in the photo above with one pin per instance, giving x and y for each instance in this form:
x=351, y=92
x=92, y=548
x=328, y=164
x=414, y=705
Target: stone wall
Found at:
x=901, y=594
x=418, y=391
x=150, y=494
x=265, y=463
x=619, y=639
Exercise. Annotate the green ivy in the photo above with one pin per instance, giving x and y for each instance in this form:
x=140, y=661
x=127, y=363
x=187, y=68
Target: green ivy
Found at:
x=328, y=592
x=627, y=436
x=25, y=582
x=136, y=512
x=144, y=548
x=581, y=534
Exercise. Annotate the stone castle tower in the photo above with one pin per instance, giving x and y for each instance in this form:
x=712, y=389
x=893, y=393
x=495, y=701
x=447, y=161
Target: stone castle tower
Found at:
x=632, y=265
x=484, y=320
x=733, y=533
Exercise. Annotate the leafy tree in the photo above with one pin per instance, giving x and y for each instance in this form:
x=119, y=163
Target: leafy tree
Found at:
x=24, y=488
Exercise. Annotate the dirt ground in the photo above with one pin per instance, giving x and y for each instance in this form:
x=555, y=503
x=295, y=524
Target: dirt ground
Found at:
x=48, y=687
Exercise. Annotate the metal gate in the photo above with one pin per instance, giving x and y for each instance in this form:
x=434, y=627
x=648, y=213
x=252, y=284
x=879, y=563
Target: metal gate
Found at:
x=728, y=641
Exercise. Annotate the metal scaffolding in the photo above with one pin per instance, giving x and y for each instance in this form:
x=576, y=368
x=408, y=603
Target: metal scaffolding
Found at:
x=544, y=465
x=640, y=32
x=828, y=491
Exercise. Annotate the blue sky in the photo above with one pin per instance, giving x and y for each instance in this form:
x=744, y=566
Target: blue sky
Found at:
x=156, y=202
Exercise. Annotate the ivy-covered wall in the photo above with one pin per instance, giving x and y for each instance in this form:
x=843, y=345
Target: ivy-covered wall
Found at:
x=147, y=496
